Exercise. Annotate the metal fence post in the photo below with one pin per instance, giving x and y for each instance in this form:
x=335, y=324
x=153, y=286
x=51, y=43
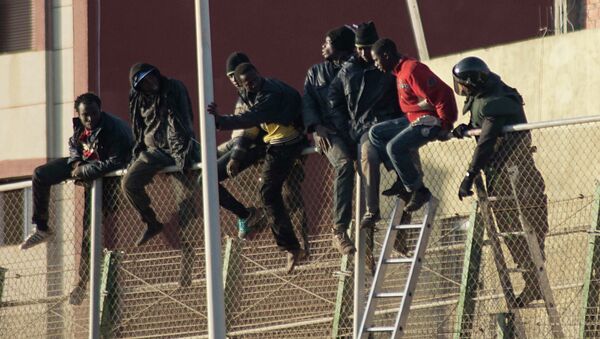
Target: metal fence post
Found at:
x=342, y=308
x=95, y=257
x=359, y=260
x=470, y=275
x=591, y=289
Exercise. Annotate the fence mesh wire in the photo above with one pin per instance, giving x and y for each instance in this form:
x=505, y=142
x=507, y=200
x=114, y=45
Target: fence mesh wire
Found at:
x=159, y=289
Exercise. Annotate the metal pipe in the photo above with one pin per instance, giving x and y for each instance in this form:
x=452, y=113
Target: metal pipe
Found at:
x=417, y=26
x=542, y=124
x=212, y=230
x=95, y=257
x=359, y=260
x=15, y=186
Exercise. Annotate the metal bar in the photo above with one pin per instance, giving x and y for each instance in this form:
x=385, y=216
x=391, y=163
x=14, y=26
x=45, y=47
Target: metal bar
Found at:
x=417, y=26
x=536, y=256
x=2, y=275
x=95, y=257
x=231, y=272
x=359, y=260
x=386, y=250
x=15, y=186
x=415, y=269
x=106, y=297
x=470, y=276
x=341, y=305
x=542, y=124
x=591, y=289
x=215, y=301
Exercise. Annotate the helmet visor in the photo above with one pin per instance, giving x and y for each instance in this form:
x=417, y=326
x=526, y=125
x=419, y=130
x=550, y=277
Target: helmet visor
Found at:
x=461, y=87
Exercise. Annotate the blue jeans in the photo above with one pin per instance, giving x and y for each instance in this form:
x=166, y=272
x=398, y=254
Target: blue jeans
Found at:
x=397, y=140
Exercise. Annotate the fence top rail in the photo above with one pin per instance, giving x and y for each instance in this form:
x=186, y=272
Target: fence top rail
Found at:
x=314, y=149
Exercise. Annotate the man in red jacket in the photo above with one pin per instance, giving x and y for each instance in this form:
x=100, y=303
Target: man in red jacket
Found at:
x=430, y=111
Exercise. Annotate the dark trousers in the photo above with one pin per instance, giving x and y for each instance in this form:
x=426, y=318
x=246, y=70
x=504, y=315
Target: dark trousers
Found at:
x=140, y=174
x=340, y=155
x=226, y=199
x=279, y=161
x=51, y=173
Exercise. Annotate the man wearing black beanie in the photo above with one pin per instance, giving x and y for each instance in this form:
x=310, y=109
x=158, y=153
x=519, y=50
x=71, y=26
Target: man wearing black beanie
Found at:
x=359, y=97
x=337, y=48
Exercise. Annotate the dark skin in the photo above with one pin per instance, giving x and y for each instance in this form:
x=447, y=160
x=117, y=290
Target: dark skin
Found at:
x=364, y=53
x=322, y=133
x=251, y=82
x=150, y=84
x=90, y=116
x=386, y=61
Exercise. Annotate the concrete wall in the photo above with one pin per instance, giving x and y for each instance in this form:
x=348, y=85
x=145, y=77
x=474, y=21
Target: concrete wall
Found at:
x=558, y=76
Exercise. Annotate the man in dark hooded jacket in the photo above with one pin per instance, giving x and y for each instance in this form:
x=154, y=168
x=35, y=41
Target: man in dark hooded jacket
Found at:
x=161, y=118
x=494, y=105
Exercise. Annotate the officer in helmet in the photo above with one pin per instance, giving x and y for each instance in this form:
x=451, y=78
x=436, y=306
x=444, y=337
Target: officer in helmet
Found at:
x=494, y=105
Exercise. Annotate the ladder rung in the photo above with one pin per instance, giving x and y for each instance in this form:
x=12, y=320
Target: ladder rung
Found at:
x=389, y=295
x=501, y=198
x=398, y=260
x=408, y=227
x=507, y=234
x=380, y=329
x=518, y=270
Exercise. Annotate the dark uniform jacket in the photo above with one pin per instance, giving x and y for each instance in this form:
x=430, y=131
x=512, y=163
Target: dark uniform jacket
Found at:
x=496, y=106
x=111, y=142
x=315, y=108
x=361, y=96
x=180, y=134
x=275, y=103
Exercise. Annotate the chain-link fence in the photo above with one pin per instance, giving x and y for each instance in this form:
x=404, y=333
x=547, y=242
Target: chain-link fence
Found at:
x=544, y=179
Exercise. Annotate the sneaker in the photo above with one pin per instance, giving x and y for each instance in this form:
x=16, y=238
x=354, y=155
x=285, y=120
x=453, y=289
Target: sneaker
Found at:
x=293, y=257
x=77, y=295
x=247, y=226
x=397, y=189
x=35, y=238
x=343, y=244
x=150, y=232
x=418, y=199
x=369, y=220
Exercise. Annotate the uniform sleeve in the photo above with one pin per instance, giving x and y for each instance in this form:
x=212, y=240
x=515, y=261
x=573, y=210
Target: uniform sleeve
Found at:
x=490, y=131
x=426, y=84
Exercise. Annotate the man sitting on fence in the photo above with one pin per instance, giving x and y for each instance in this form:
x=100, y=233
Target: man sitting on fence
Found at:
x=100, y=144
x=275, y=107
x=494, y=105
x=161, y=118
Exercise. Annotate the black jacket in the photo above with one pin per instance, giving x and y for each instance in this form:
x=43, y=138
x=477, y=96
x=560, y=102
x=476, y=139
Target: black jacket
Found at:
x=315, y=108
x=275, y=102
x=361, y=96
x=180, y=134
x=496, y=106
x=112, y=141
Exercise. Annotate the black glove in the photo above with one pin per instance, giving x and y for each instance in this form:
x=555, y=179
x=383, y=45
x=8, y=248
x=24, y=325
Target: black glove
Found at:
x=460, y=131
x=466, y=185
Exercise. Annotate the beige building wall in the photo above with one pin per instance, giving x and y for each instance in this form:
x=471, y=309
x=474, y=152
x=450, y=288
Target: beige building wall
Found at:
x=558, y=76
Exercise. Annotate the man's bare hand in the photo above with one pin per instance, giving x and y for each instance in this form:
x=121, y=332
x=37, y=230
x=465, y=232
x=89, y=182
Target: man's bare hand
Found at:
x=321, y=137
x=77, y=172
x=212, y=109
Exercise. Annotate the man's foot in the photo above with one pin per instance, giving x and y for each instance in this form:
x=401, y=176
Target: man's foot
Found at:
x=418, y=199
x=342, y=243
x=293, y=257
x=369, y=220
x=397, y=189
x=35, y=238
x=529, y=294
x=150, y=232
x=247, y=226
x=77, y=295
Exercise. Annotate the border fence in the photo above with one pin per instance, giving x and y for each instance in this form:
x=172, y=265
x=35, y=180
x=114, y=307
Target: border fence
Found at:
x=159, y=289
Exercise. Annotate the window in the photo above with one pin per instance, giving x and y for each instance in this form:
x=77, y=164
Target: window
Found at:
x=16, y=25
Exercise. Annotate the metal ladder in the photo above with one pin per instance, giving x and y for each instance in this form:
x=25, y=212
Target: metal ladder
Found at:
x=534, y=249
x=405, y=296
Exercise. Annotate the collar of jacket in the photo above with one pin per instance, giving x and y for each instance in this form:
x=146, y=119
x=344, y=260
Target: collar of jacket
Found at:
x=77, y=125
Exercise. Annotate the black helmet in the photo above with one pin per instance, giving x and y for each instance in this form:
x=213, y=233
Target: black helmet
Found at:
x=470, y=73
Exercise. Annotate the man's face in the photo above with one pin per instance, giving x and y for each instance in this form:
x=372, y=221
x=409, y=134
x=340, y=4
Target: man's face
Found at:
x=150, y=84
x=89, y=114
x=234, y=82
x=364, y=53
x=251, y=81
x=382, y=62
x=327, y=49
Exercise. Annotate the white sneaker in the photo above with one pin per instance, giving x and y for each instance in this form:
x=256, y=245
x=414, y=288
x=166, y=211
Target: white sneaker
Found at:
x=35, y=238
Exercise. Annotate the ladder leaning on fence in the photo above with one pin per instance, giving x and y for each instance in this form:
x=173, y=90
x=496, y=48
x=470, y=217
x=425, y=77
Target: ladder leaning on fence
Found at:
x=486, y=204
x=405, y=296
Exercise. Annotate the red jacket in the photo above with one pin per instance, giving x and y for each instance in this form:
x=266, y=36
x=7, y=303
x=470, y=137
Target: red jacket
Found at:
x=421, y=92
